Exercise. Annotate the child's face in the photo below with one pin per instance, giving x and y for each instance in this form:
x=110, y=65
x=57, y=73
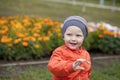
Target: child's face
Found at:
x=73, y=37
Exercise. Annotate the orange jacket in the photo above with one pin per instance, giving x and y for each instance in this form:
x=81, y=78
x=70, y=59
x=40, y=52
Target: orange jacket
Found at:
x=60, y=64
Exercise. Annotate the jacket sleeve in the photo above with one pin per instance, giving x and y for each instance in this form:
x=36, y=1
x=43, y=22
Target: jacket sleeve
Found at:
x=58, y=66
x=90, y=67
x=87, y=66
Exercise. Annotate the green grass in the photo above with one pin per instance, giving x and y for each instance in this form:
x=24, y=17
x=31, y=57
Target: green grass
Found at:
x=56, y=11
x=32, y=73
x=109, y=73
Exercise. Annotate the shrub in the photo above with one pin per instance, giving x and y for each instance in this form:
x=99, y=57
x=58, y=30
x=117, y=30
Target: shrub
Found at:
x=24, y=37
x=104, y=41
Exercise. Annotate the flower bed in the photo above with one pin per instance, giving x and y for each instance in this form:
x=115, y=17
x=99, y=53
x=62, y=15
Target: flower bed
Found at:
x=24, y=37
x=103, y=38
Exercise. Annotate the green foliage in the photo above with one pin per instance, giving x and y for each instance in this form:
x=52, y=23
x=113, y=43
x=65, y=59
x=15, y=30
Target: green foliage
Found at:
x=99, y=42
x=27, y=38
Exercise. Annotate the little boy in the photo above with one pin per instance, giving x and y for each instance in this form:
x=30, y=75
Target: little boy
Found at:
x=71, y=61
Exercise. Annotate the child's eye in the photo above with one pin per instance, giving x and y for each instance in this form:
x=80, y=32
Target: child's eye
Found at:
x=78, y=35
x=69, y=34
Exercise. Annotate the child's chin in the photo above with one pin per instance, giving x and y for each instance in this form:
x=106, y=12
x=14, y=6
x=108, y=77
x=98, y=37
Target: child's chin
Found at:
x=73, y=48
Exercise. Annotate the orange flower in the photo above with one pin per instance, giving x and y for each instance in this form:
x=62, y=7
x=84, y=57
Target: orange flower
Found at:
x=3, y=20
x=2, y=32
x=39, y=25
x=26, y=22
x=37, y=31
x=26, y=39
x=118, y=34
x=112, y=33
x=100, y=35
x=9, y=45
x=16, y=41
x=50, y=23
x=33, y=39
x=105, y=32
x=57, y=23
x=5, y=39
x=10, y=17
x=20, y=35
x=50, y=33
x=46, y=20
x=25, y=44
x=59, y=34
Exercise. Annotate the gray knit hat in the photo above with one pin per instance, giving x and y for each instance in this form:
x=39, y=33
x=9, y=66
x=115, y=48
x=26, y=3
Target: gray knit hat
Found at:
x=75, y=21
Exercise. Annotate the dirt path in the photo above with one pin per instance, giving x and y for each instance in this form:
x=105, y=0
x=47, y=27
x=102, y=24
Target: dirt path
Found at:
x=25, y=63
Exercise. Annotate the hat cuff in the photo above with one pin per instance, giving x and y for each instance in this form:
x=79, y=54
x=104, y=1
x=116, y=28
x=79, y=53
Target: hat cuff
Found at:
x=76, y=23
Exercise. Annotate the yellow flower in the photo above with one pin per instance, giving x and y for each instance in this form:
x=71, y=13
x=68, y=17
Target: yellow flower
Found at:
x=39, y=38
x=45, y=38
x=101, y=27
x=36, y=35
x=36, y=46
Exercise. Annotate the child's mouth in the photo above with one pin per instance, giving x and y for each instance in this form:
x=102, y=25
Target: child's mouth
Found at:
x=73, y=44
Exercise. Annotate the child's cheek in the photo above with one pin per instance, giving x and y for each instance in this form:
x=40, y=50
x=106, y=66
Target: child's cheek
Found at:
x=86, y=65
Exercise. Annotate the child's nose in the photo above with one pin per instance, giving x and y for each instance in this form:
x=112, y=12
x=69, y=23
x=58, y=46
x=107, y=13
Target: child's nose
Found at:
x=73, y=38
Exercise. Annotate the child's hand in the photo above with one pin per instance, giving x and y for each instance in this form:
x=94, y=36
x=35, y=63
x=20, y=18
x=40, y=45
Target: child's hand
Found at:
x=76, y=64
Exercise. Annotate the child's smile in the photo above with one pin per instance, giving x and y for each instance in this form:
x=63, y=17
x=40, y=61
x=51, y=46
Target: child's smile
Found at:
x=72, y=45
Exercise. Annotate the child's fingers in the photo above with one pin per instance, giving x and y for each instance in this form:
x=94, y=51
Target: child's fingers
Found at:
x=81, y=60
x=88, y=62
x=78, y=61
x=79, y=68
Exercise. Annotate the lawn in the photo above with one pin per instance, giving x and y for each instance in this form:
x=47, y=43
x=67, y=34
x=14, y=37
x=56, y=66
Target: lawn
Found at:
x=110, y=72
x=57, y=11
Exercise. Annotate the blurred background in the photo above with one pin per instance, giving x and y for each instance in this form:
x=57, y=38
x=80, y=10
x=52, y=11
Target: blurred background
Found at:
x=31, y=29
x=93, y=10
